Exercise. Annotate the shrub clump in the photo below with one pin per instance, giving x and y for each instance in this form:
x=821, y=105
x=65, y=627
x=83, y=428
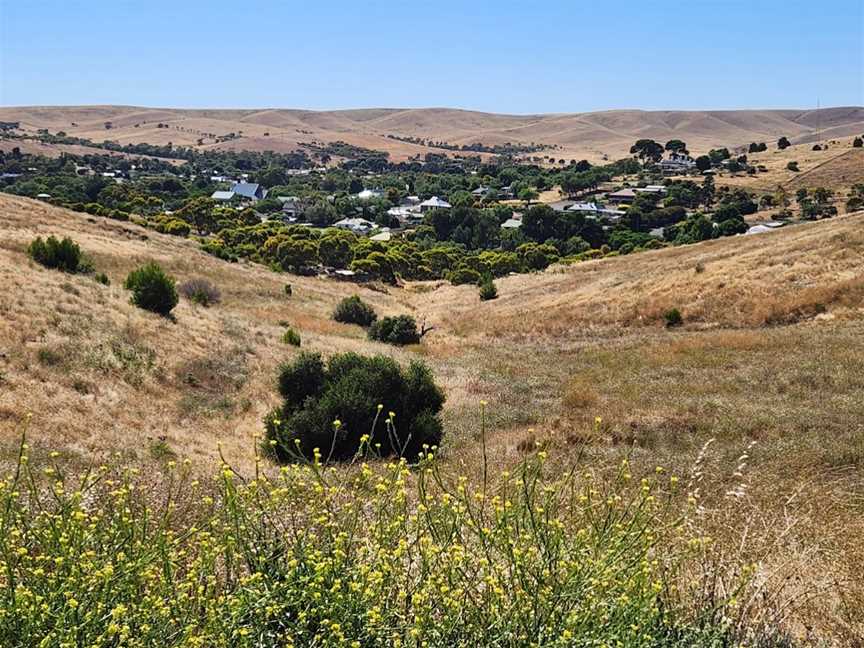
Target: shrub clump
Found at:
x=152, y=289
x=353, y=310
x=398, y=330
x=200, y=291
x=488, y=290
x=673, y=318
x=102, y=278
x=353, y=402
x=291, y=337
x=64, y=255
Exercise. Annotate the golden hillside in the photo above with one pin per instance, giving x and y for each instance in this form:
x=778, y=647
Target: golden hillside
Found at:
x=575, y=359
x=576, y=135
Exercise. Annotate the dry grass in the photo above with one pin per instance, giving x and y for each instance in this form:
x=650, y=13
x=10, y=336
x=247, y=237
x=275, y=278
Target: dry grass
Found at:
x=593, y=136
x=770, y=353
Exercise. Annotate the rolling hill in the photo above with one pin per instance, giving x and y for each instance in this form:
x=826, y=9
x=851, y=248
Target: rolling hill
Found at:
x=592, y=135
x=769, y=354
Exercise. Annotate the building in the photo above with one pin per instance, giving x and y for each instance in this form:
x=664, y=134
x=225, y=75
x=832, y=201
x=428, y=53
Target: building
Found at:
x=677, y=163
x=356, y=225
x=593, y=210
x=434, y=203
x=622, y=196
x=512, y=223
x=369, y=194
x=249, y=191
x=292, y=206
x=222, y=196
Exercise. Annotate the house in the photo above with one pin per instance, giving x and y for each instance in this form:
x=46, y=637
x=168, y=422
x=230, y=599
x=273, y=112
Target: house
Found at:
x=292, y=206
x=506, y=193
x=222, y=196
x=677, y=163
x=593, y=210
x=369, y=194
x=356, y=225
x=656, y=189
x=512, y=223
x=434, y=203
x=622, y=196
x=249, y=191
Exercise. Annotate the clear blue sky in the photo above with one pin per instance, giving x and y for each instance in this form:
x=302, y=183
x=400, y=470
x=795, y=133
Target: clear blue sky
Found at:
x=501, y=56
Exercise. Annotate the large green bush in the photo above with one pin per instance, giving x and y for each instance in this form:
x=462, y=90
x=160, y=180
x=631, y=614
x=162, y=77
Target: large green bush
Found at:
x=152, y=289
x=398, y=330
x=334, y=407
x=353, y=310
x=62, y=255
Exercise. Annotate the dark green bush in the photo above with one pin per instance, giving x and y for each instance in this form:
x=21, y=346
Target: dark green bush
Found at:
x=62, y=255
x=292, y=337
x=397, y=408
x=353, y=310
x=152, y=289
x=200, y=291
x=399, y=330
x=102, y=278
x=673, y=317
x=463, y=275
x=488, y=290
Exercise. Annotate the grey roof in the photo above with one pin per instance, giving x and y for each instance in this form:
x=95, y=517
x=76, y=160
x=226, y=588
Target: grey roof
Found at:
x=222, y=195
x=435, y=201
x=249, y=190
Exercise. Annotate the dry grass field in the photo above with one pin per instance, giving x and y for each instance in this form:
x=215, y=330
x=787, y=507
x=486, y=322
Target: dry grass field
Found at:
x=594, y=136
x=576, y=360
x=837, y=166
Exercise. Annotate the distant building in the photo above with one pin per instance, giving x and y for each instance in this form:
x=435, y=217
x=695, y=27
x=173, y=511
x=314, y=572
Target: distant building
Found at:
x=511, y=223
x=622, y=196
x=222, y=196
x=356, y=225
x=369, y=194
x=593, y=210
x=249, y=191
x=677, y=163
x=434, y=203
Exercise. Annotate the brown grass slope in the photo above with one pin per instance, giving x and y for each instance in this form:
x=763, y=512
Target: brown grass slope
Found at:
x=590, y=135
x=770, y=352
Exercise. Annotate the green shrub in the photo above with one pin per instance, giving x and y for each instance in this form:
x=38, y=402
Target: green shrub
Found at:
x=289, y=291
x=62, y=255
x=792, y=166
x=332, y=408
x=292, y=337
x=673, y=317
x=463, y=275
x=152, y=289
x=102, y=278
x=488, y=290
x=353, y=310
x=200, y=291
x=399, y=330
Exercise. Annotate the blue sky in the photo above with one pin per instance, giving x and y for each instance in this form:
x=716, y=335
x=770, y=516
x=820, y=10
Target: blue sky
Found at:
x=501, y=56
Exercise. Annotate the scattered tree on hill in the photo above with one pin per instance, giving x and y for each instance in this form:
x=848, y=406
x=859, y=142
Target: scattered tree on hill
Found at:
x=647, y=150
x=783, y=143
x=857, y=142
x=63, y=255
x=676, y=146
x=792, y=166
x=353, y=310
x=703, y=162
x=399, y=330
x=152, y=289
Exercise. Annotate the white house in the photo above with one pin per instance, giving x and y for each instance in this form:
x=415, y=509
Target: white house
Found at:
x=356, y=225
x=368, y=194
x=511, y=223
x=434, y=203
x=677, y=163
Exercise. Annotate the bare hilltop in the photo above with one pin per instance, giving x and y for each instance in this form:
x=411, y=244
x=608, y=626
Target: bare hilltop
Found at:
x=405, y=133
